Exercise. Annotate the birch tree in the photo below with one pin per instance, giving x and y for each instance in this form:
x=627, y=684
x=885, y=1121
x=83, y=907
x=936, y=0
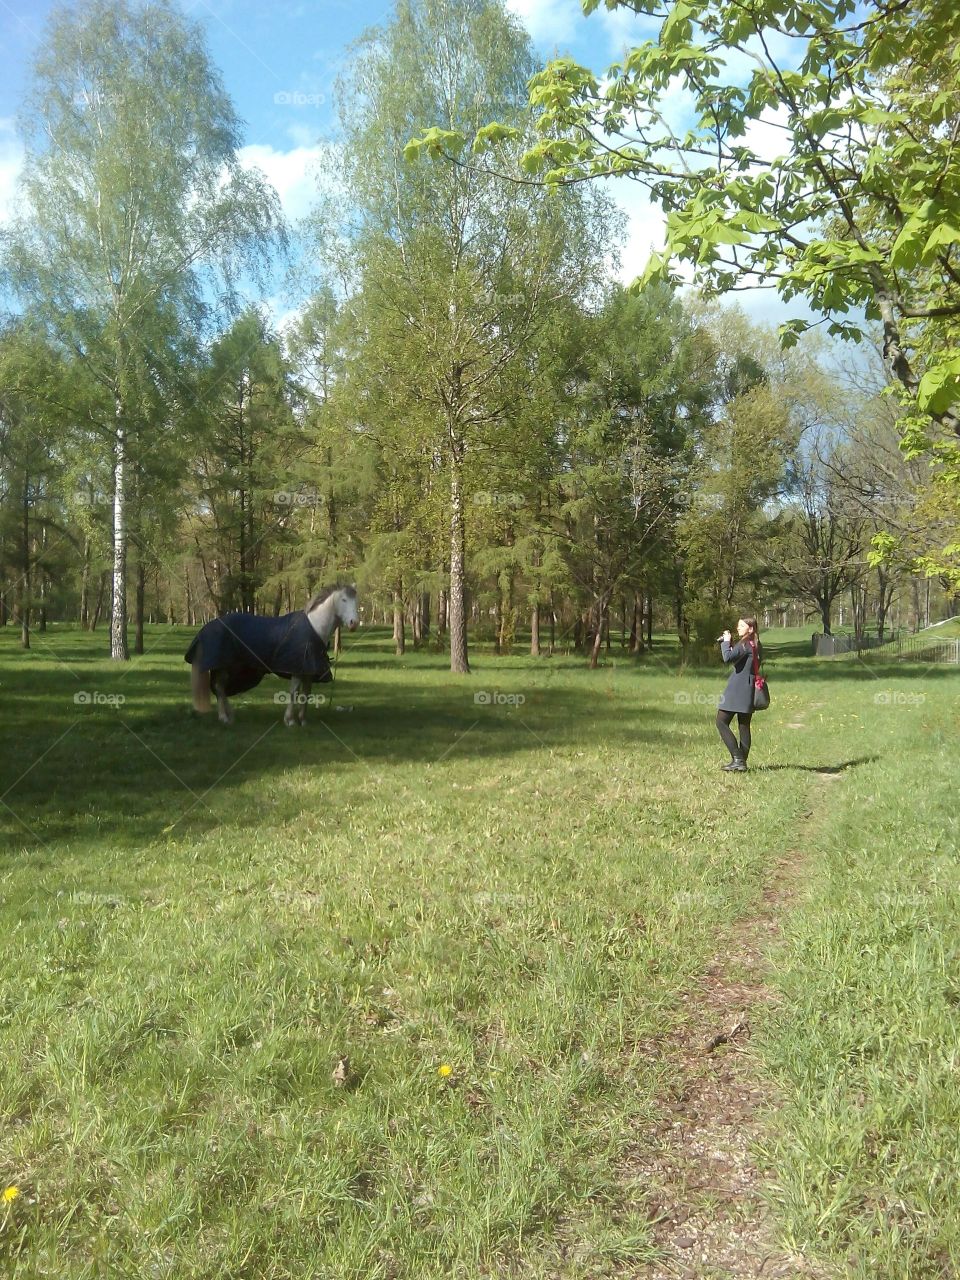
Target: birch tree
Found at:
x=132, y=196
x=459, y=269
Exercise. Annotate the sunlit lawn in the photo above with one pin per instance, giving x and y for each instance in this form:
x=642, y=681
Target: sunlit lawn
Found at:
x=201, y=922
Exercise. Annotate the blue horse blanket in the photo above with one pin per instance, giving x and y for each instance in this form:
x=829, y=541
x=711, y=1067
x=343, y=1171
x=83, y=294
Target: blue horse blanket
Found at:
x=244, y=648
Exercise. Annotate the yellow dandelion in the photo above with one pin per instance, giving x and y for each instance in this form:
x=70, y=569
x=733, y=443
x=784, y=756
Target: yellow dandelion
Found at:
x=10, y=1194
x=444, y=1070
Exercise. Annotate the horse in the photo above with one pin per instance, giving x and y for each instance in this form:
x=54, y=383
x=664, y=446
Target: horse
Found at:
x=232, y=654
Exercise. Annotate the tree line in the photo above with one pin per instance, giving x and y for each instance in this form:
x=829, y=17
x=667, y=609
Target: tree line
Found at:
x=467, y=415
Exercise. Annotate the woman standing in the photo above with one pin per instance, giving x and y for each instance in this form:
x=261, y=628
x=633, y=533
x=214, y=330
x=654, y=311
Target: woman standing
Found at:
x=737, y=698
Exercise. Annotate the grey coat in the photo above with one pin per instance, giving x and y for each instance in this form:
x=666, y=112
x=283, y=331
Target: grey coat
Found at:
x=738, y=695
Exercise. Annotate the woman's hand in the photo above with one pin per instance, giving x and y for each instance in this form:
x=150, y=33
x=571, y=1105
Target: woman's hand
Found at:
x=726, y=636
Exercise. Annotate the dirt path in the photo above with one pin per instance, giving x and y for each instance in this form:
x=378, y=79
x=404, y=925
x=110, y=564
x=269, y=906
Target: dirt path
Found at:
x=702, y=1186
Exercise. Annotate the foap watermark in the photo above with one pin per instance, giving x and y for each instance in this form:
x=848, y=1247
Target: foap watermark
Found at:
x=297, y=498
x=518, y=299
x=97, y=98
x=84, y=498
x=898, y=698
x=297, y=98
x=497, y=498
x=85, y=897
x=697, y=699
x=94, y=698
x=284, y=699
x=494, y=698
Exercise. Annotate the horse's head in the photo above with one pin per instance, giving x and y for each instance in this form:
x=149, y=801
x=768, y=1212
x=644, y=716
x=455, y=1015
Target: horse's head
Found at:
x=346, y=606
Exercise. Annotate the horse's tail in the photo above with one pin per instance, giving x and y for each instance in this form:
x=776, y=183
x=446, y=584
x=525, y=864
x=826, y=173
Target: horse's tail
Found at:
x=200, y=687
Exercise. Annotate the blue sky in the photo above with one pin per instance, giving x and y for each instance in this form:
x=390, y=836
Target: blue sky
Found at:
x=279, y=63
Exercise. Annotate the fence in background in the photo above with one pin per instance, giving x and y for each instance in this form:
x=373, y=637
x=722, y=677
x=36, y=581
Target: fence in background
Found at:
x=902, y=648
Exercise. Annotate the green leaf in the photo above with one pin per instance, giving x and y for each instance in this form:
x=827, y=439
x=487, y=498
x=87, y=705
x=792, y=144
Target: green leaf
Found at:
x=790, y=332
x=939, y=387
x=677, y=26
x=492, y=135
x=940, y=238
x=908, y=244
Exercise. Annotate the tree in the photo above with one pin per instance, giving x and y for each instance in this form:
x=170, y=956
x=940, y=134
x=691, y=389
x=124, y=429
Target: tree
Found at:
x=332, y=472
x=133, y=195
x=855, y=205
x=822, y=550
x=247, y=444
x=458, y=270
x=642, y=394
x=30, y=376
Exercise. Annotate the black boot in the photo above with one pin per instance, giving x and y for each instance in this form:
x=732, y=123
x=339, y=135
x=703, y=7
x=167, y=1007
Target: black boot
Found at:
x=737, y=765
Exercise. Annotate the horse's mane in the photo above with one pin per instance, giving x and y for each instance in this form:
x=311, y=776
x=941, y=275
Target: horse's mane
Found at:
x=326, y=592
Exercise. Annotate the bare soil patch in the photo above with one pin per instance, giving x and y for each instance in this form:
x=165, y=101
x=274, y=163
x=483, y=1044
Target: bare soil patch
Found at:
x=696, y=1170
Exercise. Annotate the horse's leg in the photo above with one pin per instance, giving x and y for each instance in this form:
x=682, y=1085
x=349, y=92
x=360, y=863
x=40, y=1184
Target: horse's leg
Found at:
x=224, y=710
x=304, y=695
x=290, y=715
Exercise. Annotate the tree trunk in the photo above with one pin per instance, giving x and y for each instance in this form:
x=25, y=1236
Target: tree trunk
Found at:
x=141, y=593
x=883, y=602
x=578, y=633
x=535, y=631
x=24, y=585
x=85, y=587
x=118, y=623
x=636, y=626
x=98, y=610
x=508, y=617
x=441, y=614
x=595, y=647
x=459, y=661
x=650, y=623
x=399, y=634
x=858, y=606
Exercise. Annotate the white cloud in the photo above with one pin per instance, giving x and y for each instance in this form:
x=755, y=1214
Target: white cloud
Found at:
x=549, y=22
x=282, y=316
x=11, y=163
x=625, y=29
x=784, y=51
x=768, y=135
x=646, y=233
x=291, y=172
x=646, y=226
x=302, y=135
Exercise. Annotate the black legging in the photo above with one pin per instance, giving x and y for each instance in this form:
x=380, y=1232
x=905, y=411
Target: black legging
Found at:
x=726, y=733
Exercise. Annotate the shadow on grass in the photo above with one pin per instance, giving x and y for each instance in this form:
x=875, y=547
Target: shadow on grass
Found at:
x=150, y=766
x=816, y=768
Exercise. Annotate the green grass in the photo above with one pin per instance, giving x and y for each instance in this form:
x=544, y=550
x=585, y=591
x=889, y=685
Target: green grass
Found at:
x=947, y=630
x=199, y=922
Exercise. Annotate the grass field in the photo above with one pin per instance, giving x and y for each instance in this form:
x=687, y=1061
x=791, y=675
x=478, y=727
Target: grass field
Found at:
x=200, y=923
